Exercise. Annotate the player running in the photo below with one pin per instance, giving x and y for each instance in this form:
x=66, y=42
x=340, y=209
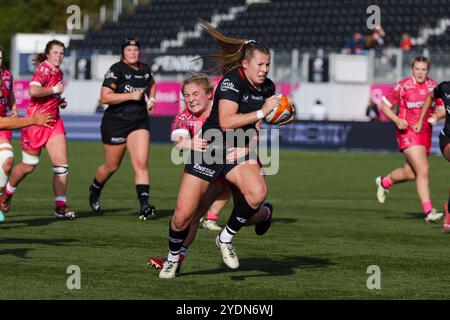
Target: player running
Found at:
x=45, y=91
x=440, y=94
x=197, y=93
x=129, y=89
x=409, y=94
x=244, y=96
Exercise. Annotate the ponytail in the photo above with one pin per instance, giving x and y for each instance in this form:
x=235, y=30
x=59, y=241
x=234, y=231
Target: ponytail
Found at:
x=232, y=50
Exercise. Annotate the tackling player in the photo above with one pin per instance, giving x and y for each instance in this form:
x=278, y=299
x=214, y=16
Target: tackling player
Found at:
x=197, y=93
x=45, y=91
x=409, y=95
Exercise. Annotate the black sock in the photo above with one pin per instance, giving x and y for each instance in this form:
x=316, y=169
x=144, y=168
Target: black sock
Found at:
x=176, y=239
x=96, y=186
x=143, y=193
x=240, y=214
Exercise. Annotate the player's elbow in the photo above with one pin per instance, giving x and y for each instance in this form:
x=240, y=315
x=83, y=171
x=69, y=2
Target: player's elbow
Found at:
x=225, y=124
x=104, y=99
x=33, y=91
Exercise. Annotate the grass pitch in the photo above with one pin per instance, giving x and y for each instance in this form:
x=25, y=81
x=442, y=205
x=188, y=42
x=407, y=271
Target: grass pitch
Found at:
x=327, y=230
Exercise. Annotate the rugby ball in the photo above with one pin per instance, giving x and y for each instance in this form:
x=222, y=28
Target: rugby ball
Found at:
x=281, y=113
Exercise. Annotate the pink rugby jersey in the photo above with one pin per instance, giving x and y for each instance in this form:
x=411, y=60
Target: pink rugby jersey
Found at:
x=410, y=96
x=46, y=75
x=187, y=124
x=6, y=89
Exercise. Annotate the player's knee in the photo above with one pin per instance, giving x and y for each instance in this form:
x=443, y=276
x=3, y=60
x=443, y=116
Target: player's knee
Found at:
x=447, y=153
x=140, y=170
x=111, y=168
x=61, y=170
x=256, y=196
x=29, y=159
x=6, y=162
x=180, y=219
x=411, y=176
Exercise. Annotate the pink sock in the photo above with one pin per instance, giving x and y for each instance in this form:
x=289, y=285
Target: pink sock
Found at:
x=60, y=201
x=212, y=216
x=427, y=206
x=386, y=182
x=9, y=189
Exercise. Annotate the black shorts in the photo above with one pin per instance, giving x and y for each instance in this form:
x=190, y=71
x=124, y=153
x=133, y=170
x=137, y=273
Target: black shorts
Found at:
x=115, y=130
x=210, y=172
x=443, y=141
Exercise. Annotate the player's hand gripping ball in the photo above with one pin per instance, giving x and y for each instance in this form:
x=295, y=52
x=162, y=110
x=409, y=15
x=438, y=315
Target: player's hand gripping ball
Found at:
x=281, y=113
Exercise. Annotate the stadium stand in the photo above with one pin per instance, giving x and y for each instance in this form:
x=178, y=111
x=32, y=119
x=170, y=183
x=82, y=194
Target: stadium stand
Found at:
x=305, y=25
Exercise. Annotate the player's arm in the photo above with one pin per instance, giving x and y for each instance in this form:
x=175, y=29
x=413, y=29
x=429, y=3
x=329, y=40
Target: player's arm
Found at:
x=229, y=118
x=37, y=91
x=12, y=105
x=391, y=100
x=38, y=119
x=108, y=96
x=390, y=114
x=184, y=142
x=426, y=105
x=151, y=95
x=440, y=113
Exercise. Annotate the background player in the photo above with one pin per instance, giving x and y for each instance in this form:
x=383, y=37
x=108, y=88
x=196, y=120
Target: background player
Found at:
x=45, y=91
x=442, y=94
x=7, y=103
x=129, y=89
x=38, y=119
x=409, y=95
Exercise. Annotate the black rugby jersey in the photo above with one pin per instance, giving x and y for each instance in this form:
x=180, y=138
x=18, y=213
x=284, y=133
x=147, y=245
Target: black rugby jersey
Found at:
x=234, y=86
x=122, y=78
x=442, y=91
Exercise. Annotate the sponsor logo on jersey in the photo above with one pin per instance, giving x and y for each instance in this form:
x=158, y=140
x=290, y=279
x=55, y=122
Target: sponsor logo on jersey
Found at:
x=244, y=98
x=227, y=85
x=259, y=98
x=129, y=88
x=414, y=105
x=110, y=75
x=128, y=76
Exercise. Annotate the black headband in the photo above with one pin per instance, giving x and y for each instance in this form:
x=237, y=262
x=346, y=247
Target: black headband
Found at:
x=129, y=42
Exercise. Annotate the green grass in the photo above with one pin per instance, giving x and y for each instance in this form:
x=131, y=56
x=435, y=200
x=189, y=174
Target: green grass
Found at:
x=328, y=228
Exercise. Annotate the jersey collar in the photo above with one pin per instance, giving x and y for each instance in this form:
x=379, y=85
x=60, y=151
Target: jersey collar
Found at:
x=139, y=66
x=50, y=66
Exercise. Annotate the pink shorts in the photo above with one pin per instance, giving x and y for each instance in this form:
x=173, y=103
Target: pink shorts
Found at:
x=33, y=138
x=408, y=138
x=5, y=135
